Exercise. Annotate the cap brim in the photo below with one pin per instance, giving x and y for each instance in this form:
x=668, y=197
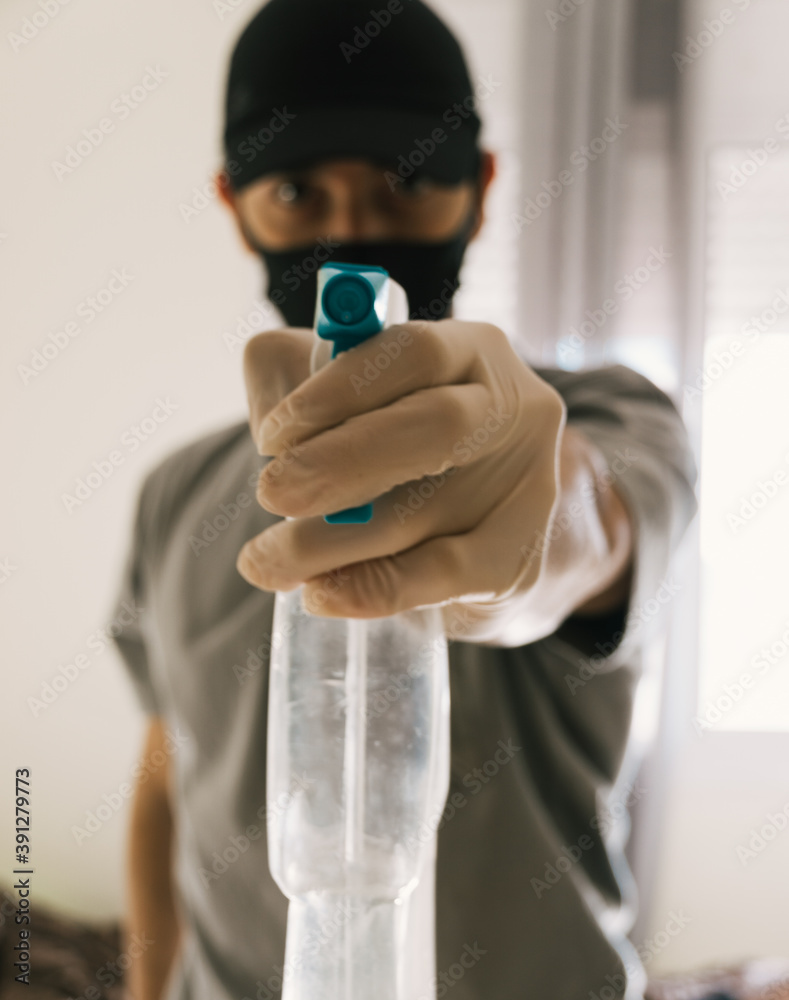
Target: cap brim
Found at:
x=441, y=145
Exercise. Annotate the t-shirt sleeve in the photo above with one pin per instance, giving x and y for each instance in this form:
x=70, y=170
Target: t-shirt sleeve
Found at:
x=131, y=606
x=651, y=465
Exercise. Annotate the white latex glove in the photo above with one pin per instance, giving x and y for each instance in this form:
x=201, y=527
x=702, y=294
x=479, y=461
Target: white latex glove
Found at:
x=454, y=437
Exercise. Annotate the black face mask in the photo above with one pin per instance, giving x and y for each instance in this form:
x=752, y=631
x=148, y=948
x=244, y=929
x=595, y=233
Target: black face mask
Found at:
x=427, y=271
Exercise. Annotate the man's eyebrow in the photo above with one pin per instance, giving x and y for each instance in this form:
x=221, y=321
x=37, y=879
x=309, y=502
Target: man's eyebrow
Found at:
x=292, y=174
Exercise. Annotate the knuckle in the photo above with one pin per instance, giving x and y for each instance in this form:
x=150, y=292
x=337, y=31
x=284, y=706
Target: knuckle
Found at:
x=299, y=503
x=260, y=348
x=264, y=491
x=454, y=412
x=300, y=544
x=432, y=350
x=272, y=493
x=373, y=592
x=355, y=599
x=295, y=406
x=269, y=563
x=278, y=499
x=386, y=592
x=495, y=336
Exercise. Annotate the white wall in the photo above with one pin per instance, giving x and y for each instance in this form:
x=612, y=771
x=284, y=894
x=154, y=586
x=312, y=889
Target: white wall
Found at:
x=160, y=337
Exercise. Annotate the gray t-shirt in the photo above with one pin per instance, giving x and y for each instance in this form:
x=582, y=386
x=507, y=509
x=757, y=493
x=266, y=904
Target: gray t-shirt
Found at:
x=533, y=893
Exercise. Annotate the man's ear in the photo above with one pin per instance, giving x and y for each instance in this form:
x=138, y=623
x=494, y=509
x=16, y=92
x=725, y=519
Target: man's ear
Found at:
x=487, y=171
x=227, y=195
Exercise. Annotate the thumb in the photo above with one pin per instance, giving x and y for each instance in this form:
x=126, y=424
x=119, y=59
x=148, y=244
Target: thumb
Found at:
x=275, y=363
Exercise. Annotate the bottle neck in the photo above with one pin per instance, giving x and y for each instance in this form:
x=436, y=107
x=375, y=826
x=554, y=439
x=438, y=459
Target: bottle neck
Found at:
x=343, y=948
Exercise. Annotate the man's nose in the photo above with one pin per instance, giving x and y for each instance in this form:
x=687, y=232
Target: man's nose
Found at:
x=352, y=217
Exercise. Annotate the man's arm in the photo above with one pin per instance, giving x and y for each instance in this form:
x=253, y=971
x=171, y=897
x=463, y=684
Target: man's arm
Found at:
x=152, y=915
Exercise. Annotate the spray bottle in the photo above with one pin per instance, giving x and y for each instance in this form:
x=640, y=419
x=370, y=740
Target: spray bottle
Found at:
x=359, y=710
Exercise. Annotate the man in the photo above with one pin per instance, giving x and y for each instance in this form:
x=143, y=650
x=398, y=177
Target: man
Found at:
x=538, y=508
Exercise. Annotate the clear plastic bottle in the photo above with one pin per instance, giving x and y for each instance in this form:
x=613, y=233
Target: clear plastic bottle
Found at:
x=359, y=714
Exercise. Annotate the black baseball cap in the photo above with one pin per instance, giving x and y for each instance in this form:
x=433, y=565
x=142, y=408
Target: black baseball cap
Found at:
x=314, y=79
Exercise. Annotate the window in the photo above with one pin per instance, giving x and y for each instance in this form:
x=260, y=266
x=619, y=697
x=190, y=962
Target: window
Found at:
x=744, y=487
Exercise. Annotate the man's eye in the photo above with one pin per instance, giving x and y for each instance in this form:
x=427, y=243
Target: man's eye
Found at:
x=415, y=186
x=289, y=192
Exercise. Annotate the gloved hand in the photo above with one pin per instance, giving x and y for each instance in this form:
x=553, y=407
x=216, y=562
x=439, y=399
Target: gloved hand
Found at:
x=457, y=441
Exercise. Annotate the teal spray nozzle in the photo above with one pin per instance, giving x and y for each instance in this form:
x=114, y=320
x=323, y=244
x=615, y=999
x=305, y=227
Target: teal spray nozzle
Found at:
x=351, y=306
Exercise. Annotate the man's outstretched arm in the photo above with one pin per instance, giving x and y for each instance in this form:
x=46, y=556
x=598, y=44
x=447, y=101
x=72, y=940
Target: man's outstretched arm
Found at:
x=152, y=920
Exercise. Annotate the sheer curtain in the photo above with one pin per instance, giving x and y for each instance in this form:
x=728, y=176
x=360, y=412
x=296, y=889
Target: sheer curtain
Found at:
x=598, y=100
x=574, y=117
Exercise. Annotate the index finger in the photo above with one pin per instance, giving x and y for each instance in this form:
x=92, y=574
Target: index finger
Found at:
x=275, y=363
x=393, y=363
